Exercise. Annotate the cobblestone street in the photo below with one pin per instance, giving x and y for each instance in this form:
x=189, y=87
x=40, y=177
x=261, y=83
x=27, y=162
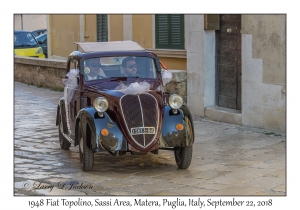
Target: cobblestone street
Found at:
x=227, y=159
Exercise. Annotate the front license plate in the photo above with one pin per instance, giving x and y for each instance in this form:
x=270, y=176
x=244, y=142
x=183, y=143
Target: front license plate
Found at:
x=142, y=130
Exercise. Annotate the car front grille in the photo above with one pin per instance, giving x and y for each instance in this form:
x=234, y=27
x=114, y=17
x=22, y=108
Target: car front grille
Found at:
x=140, y=111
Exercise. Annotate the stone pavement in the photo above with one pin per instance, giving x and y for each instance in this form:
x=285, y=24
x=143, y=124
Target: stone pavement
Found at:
x=227, y=159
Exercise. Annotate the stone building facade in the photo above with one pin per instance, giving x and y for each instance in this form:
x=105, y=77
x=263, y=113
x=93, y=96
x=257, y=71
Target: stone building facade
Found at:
x=235, y=73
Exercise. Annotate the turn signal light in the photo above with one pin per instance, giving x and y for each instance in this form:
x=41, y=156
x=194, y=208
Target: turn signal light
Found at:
x=179, y=126
x=104, y=132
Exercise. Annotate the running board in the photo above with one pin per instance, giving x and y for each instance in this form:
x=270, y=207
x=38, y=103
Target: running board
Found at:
x=68, y=138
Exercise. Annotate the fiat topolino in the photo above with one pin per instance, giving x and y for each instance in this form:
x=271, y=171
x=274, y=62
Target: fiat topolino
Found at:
x=121, y=113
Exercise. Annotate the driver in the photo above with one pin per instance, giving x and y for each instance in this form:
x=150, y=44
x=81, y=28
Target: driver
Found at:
x=94, y=71
x=129, y=66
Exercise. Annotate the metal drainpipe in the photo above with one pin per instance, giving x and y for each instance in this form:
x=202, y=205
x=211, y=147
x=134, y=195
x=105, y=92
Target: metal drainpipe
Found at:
x=22, y=21
x=81, y=27
x=49, y=37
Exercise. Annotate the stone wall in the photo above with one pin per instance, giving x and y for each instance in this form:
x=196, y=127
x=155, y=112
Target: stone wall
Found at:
x=46, y=73
x=49, y=73
x=177, y=84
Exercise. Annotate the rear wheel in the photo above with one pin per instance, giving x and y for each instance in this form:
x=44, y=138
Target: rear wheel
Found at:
x=64, y=143
x=86, y=154
x=183, y=156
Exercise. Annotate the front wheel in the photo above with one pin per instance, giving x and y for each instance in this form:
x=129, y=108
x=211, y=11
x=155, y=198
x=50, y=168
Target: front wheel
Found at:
x=86, y=154
x=183, y=156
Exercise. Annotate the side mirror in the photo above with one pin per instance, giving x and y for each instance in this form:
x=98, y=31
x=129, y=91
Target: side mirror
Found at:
x=40, y=42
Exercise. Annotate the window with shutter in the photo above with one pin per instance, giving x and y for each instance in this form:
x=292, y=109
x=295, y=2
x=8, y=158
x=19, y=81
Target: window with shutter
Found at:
x=102, y=28
x=169, y=31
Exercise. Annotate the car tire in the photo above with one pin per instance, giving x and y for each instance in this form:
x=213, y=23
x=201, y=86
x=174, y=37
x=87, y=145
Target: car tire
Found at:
x=64, y=143
x=86, y=155
x=183, y=156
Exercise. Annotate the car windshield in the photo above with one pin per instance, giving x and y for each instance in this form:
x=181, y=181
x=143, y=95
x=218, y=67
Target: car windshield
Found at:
x=24, y=40
x=119, y=67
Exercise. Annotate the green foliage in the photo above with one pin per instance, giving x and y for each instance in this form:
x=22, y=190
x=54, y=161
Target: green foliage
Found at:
x=58, y=89
x=272, y=133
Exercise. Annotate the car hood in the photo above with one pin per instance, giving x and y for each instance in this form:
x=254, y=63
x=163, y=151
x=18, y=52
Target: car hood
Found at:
x=26, y=51
x=134, y=113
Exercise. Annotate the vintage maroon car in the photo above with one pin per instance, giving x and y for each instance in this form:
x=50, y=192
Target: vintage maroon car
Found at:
x=119, y=112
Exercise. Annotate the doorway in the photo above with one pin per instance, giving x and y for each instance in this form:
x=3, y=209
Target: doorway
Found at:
x=228, y=62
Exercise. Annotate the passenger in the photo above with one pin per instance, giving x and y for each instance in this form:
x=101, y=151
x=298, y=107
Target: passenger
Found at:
x=95, y=71
x=129, y=66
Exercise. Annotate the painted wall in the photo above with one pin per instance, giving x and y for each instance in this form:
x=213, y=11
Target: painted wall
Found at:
x=115, y=32
x=90, y=29
x=142, y=30
x=264, y=71
x=65, y=31
x=30, y=22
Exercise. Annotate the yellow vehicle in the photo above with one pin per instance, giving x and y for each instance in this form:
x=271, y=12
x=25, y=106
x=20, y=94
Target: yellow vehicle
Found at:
x=25, y=44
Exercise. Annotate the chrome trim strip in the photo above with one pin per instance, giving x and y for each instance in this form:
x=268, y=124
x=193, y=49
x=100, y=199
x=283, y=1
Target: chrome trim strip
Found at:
x=142, y=117
x=67, y=116
x=157, y=117
x=68, y=138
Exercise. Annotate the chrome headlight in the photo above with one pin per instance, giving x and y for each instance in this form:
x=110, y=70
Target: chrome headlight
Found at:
x=175, y=101
x=39, y=51
x=100, y=104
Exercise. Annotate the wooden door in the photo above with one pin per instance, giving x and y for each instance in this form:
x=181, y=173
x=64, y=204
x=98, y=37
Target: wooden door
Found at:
x=228, y=45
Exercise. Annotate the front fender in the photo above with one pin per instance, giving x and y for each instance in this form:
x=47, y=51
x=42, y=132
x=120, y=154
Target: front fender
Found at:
x=171, y=137
x=93, y=123
x=61, y=110
x=59, y=107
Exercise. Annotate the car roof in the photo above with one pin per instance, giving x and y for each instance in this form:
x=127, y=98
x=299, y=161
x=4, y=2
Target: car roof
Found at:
x=109, y=46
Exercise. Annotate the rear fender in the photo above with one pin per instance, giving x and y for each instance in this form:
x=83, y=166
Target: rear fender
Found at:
x=90, y=119
x=171, y=137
